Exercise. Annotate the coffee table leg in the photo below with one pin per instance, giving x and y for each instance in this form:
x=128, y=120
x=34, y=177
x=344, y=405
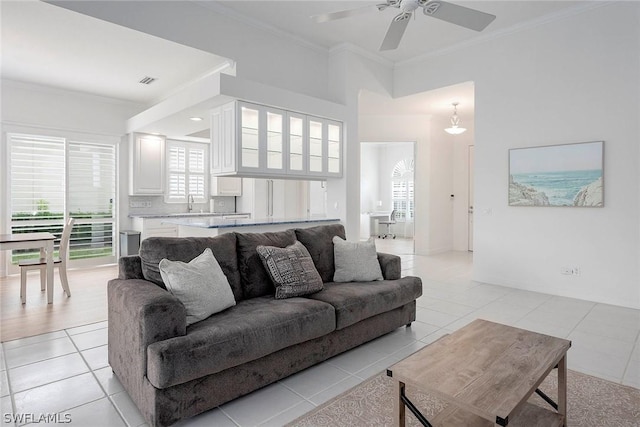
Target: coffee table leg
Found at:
x=398, y=404
x=562, y=388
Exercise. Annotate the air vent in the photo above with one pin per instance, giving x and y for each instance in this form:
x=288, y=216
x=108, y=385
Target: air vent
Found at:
x=147, y=80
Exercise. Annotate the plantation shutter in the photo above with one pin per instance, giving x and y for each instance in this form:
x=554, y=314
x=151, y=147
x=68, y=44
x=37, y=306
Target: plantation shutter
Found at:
x=197, y=173
x=187, y=168
x=177, y=187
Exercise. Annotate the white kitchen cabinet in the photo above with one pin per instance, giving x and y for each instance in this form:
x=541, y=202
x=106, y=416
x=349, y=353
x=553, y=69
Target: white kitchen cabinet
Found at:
x=154, y=227
x=256, y=140
x=146, y=164
x=226, y=186
x=223, y=134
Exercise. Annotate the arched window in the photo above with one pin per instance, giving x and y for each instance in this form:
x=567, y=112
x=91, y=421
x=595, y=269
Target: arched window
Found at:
x=402, y=190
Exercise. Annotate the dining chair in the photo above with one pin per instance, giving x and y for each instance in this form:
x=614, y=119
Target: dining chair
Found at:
x=41, y=264
x=389, y=223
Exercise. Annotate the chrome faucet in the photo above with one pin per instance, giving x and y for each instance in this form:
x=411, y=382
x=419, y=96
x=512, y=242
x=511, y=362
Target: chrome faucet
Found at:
x=189, y=203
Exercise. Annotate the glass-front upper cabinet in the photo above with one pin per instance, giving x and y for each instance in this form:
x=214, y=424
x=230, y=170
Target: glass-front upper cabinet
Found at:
x=325, y=147
x=249, y=136
x=262, y=138
x=256, y=140
x=275, y=140
x=334, y=148
x=316, y=146
x=297, y=146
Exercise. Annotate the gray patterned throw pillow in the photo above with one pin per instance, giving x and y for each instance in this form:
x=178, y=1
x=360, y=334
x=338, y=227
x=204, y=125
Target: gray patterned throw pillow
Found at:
x=356, y=261
x=291, y=269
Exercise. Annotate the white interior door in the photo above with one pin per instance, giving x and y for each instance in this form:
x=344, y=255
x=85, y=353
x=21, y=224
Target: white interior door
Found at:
x=470, y=204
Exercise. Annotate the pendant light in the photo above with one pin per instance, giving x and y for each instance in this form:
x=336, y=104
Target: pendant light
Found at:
x=455, y=129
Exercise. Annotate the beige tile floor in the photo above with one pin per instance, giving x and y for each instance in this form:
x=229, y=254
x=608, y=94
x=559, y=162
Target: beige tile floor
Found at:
x=66, y=371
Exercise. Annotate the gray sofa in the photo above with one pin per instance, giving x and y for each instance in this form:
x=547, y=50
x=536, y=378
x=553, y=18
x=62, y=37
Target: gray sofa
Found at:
x=172, y=371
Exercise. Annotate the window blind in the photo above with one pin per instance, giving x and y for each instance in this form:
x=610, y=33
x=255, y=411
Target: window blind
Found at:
x=91, y=194
x=37, y=178
x=52, y=179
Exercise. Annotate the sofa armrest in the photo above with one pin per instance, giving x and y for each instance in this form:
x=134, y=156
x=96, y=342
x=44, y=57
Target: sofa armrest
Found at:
x=130, y=267
x=139, y=313
x=390, y=265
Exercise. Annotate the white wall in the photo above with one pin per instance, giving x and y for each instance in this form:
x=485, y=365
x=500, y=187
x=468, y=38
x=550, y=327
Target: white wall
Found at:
x=51, y=108
x=369, y=182
x=349, y=73
x=570, y=80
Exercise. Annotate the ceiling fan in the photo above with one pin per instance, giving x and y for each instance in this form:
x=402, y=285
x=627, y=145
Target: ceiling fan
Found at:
x=449, y=12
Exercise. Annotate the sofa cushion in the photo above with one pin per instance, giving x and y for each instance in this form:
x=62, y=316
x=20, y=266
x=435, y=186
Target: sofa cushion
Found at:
x=200, y=285
x=251, y=329
x=356, y=261
x=255, y=279
x=318, y=241
x=291, y=270
x=154, y=249
x=356, y=301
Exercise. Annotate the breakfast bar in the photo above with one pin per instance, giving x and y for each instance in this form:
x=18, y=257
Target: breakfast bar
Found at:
x=213, y=226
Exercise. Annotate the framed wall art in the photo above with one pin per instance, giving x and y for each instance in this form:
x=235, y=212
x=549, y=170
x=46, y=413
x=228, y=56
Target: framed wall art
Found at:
x=557, y=175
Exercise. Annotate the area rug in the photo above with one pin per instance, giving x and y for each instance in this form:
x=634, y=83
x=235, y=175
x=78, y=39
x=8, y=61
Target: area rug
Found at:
x=591, y=401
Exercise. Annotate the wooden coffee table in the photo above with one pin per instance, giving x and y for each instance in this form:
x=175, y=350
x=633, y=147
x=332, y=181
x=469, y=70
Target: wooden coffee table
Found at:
x=486, y=372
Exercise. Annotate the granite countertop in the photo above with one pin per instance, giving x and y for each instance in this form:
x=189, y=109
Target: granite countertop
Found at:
x=214, y=222
x=186, y=215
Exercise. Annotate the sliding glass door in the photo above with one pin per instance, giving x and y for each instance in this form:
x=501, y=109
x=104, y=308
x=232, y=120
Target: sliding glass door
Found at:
x=54, y=178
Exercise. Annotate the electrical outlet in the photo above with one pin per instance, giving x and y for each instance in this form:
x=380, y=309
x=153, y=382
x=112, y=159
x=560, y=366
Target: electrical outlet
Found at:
x=570, y=271
x=566, y=270
x=139, y=204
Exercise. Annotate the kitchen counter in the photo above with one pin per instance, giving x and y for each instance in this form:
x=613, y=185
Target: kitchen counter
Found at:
x=212, y=226
x=186, y=215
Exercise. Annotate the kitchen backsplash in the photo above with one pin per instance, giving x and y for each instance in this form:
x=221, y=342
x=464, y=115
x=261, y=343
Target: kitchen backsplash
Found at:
x=156, y=205
x=222, y=204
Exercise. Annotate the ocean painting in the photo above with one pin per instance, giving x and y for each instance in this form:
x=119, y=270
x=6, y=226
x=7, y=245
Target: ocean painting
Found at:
x=558, y=175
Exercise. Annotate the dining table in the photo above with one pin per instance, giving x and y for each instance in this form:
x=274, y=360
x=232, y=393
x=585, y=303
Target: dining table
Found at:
x=43, y=241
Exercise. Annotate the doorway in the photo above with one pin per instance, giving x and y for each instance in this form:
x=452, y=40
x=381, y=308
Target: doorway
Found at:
x=387, y=184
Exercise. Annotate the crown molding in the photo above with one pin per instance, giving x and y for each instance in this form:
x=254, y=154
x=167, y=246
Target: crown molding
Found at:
x=543, y=20
x=255, y=23
x=349, y=47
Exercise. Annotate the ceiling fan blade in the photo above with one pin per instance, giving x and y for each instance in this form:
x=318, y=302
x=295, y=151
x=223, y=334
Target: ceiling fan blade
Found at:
x=325, y=17
x=459, y=15
x=395, y=31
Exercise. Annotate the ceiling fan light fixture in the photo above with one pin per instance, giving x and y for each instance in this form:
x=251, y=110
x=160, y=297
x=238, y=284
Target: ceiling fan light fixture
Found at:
x=455, y=128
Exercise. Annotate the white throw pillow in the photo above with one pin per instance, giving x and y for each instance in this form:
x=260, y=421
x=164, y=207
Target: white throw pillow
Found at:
x=200, y=285
x=355, y=261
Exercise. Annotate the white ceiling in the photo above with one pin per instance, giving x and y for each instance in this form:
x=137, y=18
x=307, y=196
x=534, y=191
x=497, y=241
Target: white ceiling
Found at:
x=48, y=45
x=53, y=46
x=423, y=35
